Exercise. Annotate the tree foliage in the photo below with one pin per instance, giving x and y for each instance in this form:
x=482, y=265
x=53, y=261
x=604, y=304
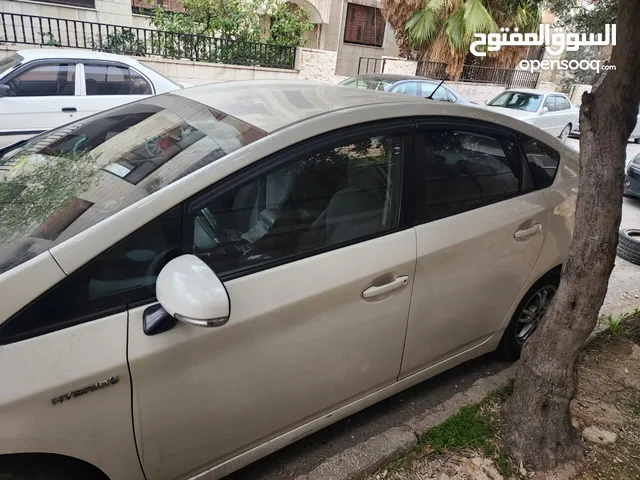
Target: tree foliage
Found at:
x=580, y=19
x=442, y=30
x=236, y=20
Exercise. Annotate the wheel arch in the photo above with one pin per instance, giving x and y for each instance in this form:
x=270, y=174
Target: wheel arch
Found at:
x=48, y=463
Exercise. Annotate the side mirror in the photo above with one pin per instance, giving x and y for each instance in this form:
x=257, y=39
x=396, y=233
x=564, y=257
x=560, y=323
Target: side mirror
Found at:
x=189, y=291
x=544, y=110
x=5, y=90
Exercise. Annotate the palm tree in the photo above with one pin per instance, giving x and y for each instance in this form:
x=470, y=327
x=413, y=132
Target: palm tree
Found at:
x=442, y=30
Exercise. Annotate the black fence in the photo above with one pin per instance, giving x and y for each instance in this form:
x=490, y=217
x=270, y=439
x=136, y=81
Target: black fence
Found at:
x=501, y=76
x=370, y=65
x=435, y=70
x=59, y=32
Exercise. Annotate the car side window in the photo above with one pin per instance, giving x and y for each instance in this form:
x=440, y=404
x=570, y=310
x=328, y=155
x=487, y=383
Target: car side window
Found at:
x=317, y=201
x=467, y=170
x=542, y=159
x=124, y=274
x=406, y=88
x=440, y=94
x=48, y=80
x=108, y=79
x=550, y=103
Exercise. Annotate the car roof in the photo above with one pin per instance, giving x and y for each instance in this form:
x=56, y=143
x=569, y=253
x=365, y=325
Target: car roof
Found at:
x=532, y=90
x=44, y=53
x=274, y=104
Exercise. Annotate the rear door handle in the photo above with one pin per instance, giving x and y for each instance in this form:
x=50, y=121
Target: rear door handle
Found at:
x=395, y=284
x=69, y=109
x=527, y=232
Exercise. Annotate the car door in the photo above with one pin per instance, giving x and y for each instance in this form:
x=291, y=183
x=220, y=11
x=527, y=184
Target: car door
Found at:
x=547, y=118
x=107, y=85
x=42, y=96
x=480, y=229
x=318, y=264
x=566, y=115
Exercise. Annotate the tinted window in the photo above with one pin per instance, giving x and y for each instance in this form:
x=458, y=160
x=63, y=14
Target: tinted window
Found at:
x=406, y=88
x=368, y=83
x=44, y=81
x=529, y=102
x=543, y=161
x=562, y=103
x=334, y=196
x=114, y=80
x=440, y=93
x=123, y=274
x=66, y=180
x=468, y=170
x=550, y=103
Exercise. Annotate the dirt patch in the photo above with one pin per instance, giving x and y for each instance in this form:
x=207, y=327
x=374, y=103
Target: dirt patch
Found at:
x=606, y=410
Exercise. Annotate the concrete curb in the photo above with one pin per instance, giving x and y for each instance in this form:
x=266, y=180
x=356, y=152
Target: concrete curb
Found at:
x=366, y=457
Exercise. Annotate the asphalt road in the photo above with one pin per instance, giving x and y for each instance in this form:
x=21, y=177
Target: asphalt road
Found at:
x=306, y=454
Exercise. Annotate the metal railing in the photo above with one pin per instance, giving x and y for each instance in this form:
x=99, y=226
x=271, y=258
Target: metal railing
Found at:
x=370, y=65
x=429, y=69
x=501, y=76
x=59, y=32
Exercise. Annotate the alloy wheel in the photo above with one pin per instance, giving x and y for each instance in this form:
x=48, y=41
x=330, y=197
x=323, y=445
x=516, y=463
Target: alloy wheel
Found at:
x=565, y=133
x=533, y=312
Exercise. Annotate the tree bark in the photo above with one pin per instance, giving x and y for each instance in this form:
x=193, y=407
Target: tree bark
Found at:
x=538, y=428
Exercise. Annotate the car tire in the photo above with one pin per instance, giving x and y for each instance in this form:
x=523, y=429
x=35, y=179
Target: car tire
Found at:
x=516, y=334
x=564, y=134
x=629, y=245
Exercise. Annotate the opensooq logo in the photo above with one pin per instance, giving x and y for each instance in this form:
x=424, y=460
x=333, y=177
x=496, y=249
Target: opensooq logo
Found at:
x=555, y=43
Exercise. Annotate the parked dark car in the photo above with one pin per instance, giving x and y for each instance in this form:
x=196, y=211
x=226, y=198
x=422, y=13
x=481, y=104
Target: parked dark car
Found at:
x=406, y=85
x=632, y=178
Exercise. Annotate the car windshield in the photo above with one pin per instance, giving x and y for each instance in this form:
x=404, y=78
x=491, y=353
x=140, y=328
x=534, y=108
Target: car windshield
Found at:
x=528, y=102
x=66, y=180
x=369, y=83
x=9, y=62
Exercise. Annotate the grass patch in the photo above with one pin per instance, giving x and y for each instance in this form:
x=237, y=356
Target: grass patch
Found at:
x=626, y=325
x=474, y=427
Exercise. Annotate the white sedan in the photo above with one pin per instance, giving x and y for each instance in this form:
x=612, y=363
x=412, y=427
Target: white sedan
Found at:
x=194, y=280
x=44, y=89
x=550, y=111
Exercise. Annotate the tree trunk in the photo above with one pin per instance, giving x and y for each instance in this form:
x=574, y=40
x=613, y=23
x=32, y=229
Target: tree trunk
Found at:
x=538, y=427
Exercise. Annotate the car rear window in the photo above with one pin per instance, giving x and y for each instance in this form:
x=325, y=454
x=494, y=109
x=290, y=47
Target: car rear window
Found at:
x=66, y=180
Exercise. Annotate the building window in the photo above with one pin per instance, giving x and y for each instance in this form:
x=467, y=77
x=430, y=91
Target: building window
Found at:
x=364, y=25
x=75, y=3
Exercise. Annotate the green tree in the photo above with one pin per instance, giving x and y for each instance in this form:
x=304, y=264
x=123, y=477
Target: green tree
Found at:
x=538, y=428
x=442, y=30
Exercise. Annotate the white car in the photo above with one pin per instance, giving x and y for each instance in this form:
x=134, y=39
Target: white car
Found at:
x=195, y=280
x=550, y=111
x=42, y=89
x=634, y=137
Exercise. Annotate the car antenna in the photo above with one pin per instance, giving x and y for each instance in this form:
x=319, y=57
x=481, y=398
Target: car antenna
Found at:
x=430, y=97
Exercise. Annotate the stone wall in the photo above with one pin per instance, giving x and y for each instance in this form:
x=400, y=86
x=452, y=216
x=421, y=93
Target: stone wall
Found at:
x=477, y=92
x=399, y=66
x=311, y=64
x=199, y=73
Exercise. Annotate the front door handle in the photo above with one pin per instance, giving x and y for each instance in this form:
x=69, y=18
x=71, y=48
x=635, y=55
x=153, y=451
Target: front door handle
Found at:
x=69, y=109
x=527, y=232
x=395, y=284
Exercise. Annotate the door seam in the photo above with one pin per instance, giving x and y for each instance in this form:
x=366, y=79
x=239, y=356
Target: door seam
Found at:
x=413, y=286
